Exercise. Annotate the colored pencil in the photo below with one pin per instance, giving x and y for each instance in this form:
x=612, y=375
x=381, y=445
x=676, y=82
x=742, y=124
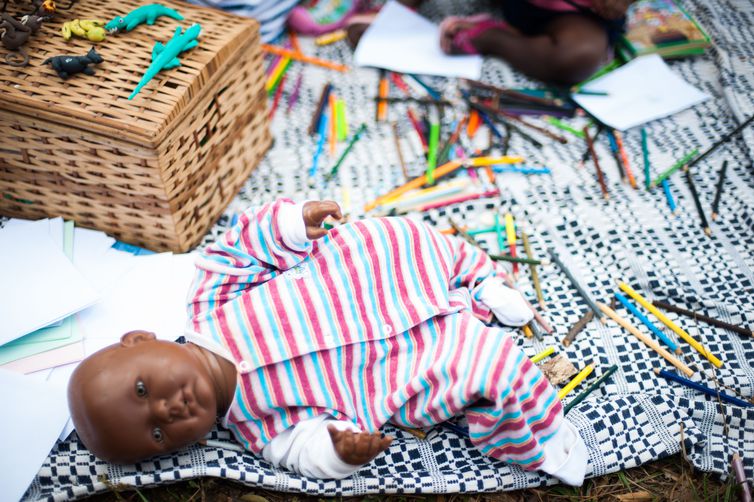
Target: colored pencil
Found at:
x=221, y=444
x=535, y=329
x=589, y=93
x=396, y=138
x=293, y=98
x=417, y=127
x=434, y=138
x=697, y=202
x=522, y=170
x=669, y=196
x=432, y=92
x=320, y=147
x=487, y=112
x=703, y=388
x=527, y=331
x=458, y=199
x=343, y=155
x=649, y=324
x=709, y=320
x=282, y=51
x=510, y=233
x=649, y=342
x=721, y=141
x=600, y=176
x=499, y=232
x=445, y=150
x=330, y=38
x=585, y=372
x=679, y=164
x=412, y=99
x=473, y=125
x=417, y=182
x=276, y=100
x=545, y=353
x=553, y=121
x=719, y=189
x=670, y=324
x=277, y=74
x=616, y=154
x=323, y=100
x=518, y=259
x=588, y=153
x=576, y=400
x=342, y=122
x=293, y=39
x=382, y=91
x=560, y=139
x=737, y=466
x=576, y=284
x=624, y=157
x=521, y=96
x=333, y=124
x=645, y=156
x=533, y=270
x=578, y=327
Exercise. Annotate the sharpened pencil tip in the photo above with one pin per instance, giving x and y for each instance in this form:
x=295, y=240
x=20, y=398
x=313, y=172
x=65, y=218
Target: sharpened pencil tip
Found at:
x=678, y=351
x=714, y=216
x=708, y=231
x=657, y=372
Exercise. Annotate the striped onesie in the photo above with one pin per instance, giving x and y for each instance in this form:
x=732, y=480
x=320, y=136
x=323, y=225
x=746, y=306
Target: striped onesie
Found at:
x=380, y=320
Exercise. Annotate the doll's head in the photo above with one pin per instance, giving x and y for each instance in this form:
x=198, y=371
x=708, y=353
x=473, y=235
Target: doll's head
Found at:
x=142, y=397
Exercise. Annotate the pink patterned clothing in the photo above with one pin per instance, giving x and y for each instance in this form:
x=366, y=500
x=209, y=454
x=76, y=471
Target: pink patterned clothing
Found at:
x=376, y=322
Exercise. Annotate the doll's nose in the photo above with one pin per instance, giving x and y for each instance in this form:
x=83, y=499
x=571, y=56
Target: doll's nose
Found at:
x=171, y=408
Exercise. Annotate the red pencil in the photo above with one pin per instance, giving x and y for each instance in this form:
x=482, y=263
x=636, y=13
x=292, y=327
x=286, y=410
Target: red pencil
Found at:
x=276, y=99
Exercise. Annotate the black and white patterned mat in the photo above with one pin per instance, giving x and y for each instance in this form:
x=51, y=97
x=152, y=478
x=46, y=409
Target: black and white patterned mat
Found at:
x=633, y=419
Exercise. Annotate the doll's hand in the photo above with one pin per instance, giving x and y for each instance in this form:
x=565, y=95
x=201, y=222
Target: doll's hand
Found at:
x=611, y=9
x=315, y=212
x=358, y=448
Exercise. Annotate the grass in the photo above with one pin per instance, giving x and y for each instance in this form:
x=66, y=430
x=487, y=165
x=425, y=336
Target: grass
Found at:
x=670, y=479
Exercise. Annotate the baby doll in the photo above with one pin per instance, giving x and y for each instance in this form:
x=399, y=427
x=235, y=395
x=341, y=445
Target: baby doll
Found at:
x=306, y=342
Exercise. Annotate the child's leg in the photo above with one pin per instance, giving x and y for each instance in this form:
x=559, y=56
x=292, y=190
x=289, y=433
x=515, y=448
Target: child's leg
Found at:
x=520, y=419
x=568, y=49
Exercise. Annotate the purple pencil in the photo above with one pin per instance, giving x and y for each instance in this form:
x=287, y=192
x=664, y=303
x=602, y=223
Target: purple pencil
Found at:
x=294, y=95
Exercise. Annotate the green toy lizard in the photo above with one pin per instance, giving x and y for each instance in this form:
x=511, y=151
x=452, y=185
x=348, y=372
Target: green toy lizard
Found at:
x=144, y=14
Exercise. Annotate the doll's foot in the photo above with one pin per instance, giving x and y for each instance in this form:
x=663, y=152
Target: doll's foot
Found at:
x=470, y=35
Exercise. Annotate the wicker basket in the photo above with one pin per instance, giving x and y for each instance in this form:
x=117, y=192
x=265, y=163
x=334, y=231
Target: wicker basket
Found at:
x=156, y=171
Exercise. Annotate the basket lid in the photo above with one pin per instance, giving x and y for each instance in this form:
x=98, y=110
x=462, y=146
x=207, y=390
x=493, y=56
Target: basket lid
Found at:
x=99, y=103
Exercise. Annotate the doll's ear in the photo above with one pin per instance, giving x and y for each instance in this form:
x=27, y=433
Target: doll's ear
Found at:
x=133, y=337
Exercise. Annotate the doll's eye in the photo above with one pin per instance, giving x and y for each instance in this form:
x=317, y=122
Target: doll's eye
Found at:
x=157, y=434
x=141, y=389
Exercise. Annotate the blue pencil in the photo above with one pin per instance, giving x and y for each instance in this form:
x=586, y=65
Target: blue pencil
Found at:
x=704, y=389
x=320, y=145
x=645, y=154
x=669, y=196
x=430, y=91
x=521, y=170
x=649, y=324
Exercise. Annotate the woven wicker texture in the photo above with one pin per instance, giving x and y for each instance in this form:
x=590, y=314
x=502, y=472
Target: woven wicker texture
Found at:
x=155, y=171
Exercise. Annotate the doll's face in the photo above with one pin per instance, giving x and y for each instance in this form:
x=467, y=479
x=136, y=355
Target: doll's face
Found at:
x=142, y=397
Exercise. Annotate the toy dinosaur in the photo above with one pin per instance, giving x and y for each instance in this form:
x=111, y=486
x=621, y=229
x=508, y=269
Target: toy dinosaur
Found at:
x=91, y=29
x=165, y=57
x=16, y=33
x=144, y=14
x=67, y=65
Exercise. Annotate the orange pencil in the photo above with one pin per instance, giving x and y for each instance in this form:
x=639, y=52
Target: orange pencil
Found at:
x=473, y=124
x=294, y=41
x=382, y=91
x=333, y=124
x=624, y=158
x=282, y=51
x=418, y=182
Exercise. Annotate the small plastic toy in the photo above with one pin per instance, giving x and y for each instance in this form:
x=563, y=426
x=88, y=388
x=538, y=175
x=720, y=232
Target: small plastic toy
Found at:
x=67, y=65
x=165, y=57
x=91, y=29
x=144, y=14
x=16, y=33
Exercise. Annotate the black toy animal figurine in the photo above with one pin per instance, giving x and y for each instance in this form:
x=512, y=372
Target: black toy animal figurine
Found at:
x=16, y=33
x=67, y=65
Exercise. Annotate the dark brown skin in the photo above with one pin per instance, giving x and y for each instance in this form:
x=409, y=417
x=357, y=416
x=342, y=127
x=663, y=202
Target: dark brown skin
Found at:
x=144, y=397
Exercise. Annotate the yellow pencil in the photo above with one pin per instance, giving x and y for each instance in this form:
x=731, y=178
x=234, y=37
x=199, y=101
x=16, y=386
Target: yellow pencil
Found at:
x=510, y=233
x=545, y=353
x=277, y=72
x=649, y=342
x=576, y=380
x=491, y=161
x=330, y=38
x=527, y=331
x=670, y=324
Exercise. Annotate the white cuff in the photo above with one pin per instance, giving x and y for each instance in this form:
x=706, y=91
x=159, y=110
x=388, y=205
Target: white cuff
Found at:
x=506, y=303
x=307, y=448
x=566, y=456
x=292, y=227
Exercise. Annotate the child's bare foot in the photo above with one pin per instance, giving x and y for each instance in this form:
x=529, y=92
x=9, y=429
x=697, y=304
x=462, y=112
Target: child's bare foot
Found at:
x=358, y=448
x=471, y=35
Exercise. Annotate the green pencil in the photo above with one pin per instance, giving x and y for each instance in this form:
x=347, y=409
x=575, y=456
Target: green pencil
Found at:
x=645, y=154
x=685, y=160
x=576, y=400
x=564, y=127
x=434, y=139
x=519, y=259
x=354, y=139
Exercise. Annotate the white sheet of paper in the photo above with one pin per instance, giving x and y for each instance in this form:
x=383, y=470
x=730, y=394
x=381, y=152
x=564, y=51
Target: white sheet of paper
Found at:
x=33, y=415
x=643, y=90
x=401, y=40
x=40, y=284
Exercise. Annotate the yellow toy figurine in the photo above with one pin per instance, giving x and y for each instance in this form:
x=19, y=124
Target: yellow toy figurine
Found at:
x=91, y=29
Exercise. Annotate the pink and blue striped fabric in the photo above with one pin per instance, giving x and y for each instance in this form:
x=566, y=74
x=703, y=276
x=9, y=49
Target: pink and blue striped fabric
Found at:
x=375, y=322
